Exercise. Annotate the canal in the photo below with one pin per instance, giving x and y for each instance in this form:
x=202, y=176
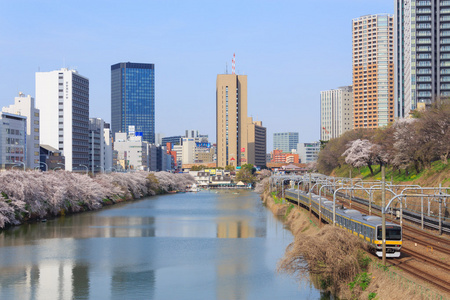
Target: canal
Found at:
x=206, y=245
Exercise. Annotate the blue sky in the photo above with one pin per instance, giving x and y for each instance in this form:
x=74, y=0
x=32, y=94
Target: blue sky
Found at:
x=290, y=51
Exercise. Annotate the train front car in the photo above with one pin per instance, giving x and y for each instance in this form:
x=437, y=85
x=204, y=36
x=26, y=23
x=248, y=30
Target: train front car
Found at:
x=393, y=240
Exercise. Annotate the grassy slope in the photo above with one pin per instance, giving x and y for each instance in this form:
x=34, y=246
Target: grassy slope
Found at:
x=438, y=173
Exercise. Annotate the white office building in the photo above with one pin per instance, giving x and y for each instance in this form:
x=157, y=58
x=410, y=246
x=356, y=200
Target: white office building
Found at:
x=13, y=130
x=62, y=97
x=129, y=151
x=24, y=106
x=188, y=152
x=108, y=150
x=308, y=152
x=100, y=146
x=336, y=112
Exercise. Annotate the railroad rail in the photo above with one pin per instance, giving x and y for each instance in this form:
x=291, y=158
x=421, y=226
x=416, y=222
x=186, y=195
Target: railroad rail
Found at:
x=431, y=279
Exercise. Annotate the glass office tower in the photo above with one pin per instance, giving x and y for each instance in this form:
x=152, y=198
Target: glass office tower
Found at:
x=133, y=99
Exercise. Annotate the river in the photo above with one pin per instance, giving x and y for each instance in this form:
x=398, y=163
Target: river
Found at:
x=207, y=245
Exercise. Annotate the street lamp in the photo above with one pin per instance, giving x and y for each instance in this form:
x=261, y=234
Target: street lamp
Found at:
x=59, y=167
x=87, y=169
x=112, y=169
x=46, y=166
x=17, y=164
x=101, y=168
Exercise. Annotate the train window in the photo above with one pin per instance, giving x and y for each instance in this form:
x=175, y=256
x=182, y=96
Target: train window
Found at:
x=392, y=233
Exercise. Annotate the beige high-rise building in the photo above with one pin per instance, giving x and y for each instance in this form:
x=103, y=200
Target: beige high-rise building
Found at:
x=256, y=143
x=231, y=119
x=373, y=71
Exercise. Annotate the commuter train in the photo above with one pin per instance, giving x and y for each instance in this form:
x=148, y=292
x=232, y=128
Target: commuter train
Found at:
x=365, y=227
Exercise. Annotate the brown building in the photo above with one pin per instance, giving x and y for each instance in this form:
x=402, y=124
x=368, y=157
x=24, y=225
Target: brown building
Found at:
x=256, y=143
x=373, y=71
x=239, y=139
x=231, y=119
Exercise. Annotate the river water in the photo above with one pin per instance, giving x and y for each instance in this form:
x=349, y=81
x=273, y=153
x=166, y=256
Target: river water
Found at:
x=206, y=245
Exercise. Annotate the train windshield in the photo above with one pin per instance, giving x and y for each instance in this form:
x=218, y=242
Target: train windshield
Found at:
x=392, y=233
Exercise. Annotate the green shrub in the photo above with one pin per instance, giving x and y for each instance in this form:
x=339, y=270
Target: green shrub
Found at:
x=288, y=211
x=363, y=260
x=372, y=296
x=362, y=280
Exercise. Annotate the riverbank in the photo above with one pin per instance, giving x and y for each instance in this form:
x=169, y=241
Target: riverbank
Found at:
x=34, y=195
x=337, y=261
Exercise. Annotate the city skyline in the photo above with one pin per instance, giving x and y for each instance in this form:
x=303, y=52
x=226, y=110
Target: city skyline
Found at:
x=289, y=61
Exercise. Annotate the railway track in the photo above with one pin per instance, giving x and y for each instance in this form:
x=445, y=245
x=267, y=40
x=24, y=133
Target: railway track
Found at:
x=431, y=279
x=437, y=263
x=412, y=235
x=443, y=249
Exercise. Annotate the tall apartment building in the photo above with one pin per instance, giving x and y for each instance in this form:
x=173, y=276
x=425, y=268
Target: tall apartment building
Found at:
x=13, y=130
x=336, y=112
x=25, y=106
x=231, y=119
x=373, y=71
x=62, y=97
x=422, y=53
x=285, y=141
x=133, y=99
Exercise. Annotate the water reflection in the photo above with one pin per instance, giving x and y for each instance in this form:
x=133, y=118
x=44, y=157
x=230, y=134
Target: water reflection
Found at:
x=85, y=226
x=188, y=246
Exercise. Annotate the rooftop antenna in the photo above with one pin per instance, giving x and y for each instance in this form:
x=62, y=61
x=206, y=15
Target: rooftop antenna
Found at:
x=233, y=64
x=226, y=68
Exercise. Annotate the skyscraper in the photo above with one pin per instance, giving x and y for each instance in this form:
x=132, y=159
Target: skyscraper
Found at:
x=133, y=99
x=231, y=119
x=373, y=71
x=62, y=97
x=285, y=141
x=422, y=53
x=336, y=112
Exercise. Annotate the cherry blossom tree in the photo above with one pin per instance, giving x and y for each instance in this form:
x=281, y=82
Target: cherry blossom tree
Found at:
x=36, y=194
x=359, y=153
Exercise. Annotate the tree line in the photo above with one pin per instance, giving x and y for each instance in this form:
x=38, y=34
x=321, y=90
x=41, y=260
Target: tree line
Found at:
x=36, y=195
x=413, y=142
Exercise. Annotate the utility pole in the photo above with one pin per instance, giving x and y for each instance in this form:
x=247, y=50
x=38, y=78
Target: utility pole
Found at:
x=383, y=213
x=309, y=188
